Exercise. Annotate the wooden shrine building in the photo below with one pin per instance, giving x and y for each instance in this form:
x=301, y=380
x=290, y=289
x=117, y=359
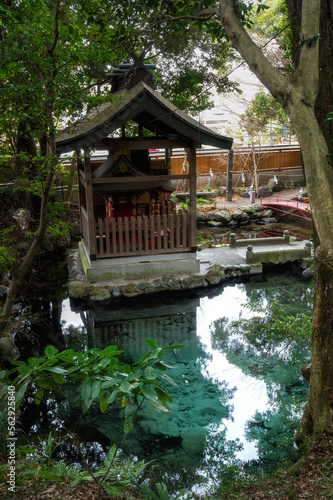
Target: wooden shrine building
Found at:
x=129, y=225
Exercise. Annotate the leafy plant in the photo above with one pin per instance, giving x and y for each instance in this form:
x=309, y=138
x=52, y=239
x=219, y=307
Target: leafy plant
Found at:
x=327, y=495
x=121, y=475
x=202, y=201
x=101, y=377
x=162, y=492
x=185, y=204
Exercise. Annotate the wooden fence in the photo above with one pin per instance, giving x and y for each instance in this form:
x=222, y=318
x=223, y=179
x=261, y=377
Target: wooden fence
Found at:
x=143, y=235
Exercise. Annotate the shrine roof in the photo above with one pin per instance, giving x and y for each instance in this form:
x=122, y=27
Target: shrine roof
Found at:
x=143, y=104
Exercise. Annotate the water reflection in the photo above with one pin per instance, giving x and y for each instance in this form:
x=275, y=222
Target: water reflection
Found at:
x=236, y=400
x=177, y=442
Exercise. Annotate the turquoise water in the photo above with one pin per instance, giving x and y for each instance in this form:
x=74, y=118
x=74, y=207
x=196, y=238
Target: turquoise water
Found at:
x=238, y=400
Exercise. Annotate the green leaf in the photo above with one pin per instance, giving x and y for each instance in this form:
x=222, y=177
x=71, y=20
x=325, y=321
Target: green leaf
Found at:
x=146, y=356
x=135, y=375
x=110, y=382
x=131, y=410
x=168, y=379
x=126, y=369
x=163, y=396
x=103, y=403
x=68, y=354
x=105, y=362
x=112, y=396
x=96, y=387
x=50, y=351
x=110, y=351
x=157, y=406
x=20, y=393
x=35, y=362
x=173, y=347
x=86, y=390
x=58, y=378
x=151, y=343
x=39, y=395
x=165, y=364
x=56, y=369
x=149, y=492
x=150, y=373
x=125, y=387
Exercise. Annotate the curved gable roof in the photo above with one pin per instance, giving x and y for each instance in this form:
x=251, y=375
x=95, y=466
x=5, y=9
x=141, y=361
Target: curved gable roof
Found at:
x=143, y=104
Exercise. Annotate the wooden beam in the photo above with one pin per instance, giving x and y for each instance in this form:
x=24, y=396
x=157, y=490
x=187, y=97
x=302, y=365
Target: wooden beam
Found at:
x=191, y=158
x=139, y=179
x=82, y=178
x=90, y=206
x=81, y=184
x=139, y=144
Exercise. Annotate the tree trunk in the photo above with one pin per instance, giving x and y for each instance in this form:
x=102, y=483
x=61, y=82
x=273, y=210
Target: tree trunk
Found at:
x=321, y=380
x=298, y=94
x=70, y=185
x=22, y=268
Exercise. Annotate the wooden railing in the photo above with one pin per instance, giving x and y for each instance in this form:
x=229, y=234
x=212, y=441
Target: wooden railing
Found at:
x=143, y=235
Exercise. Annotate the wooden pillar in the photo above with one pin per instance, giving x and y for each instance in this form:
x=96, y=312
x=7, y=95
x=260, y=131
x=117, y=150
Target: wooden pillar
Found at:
x=191, y=158
x=168, y=154
x=229, y=175
x=90, y=206
x=79, y=166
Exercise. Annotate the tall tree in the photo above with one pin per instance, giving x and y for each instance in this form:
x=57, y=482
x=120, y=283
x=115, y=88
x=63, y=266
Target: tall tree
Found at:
x=51, y=55
x=297, y=92
x=54, y=56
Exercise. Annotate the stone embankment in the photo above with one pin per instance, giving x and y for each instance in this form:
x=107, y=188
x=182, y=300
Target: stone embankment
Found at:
x=244, y=215
x=210, y=275
x=217, y=265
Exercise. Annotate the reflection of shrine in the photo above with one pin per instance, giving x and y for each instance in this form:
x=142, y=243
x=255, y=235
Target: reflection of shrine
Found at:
x=128, y=329
x=177, y=440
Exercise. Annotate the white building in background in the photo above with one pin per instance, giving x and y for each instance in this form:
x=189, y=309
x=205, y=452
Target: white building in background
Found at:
x=228, y=107
x=224, y=117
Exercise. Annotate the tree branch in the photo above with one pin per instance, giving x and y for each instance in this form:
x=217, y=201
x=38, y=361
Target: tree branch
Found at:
x=200, y=15
x=56, y=28
x=270, y=76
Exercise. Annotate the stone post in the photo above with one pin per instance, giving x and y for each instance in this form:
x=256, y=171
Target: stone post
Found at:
x=232, y=240
x=286, y=237
x=308, y=249
x=249, y=254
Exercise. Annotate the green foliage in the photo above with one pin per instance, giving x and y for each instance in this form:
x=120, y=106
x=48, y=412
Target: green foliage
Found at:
x=7, y=258
x=33, y=464
x=329, y=483
x=57, y=226
x=101, y=378
x=272, y=322
x=185, y=204
x=264, y=116
x=117, y=473
x=162, y=493
x=202, y=201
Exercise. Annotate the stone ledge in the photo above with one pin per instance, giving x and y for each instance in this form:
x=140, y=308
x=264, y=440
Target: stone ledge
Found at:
x=80, y=288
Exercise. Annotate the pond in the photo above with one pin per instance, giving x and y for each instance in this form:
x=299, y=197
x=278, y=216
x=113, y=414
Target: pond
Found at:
x=239, y=398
